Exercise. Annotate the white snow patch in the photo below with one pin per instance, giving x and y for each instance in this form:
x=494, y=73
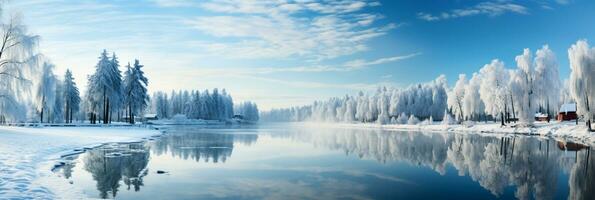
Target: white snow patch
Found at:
x=28, y=154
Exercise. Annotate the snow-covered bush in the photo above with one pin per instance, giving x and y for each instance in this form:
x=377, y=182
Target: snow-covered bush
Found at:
x=402, y=119
x=427, y=122
x=412, y=120
x=447, y=120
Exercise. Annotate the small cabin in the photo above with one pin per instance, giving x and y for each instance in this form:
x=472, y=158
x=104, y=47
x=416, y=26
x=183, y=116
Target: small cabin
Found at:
x=150, y=116
x=567, y=112
x=541, y=117
x=240, y=117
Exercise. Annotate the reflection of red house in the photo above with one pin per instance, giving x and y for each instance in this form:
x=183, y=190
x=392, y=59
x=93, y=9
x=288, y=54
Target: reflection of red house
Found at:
x=567, y=112
x=570, y=146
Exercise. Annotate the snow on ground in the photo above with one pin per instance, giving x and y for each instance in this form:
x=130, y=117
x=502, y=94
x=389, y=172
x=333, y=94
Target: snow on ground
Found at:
x=28, y=154
x=567, y=129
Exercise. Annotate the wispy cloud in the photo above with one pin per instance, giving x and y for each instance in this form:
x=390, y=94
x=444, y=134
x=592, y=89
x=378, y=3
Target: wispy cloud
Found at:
x=360, y=63
x=271, y=29
x=485, y=8
x=323, y=85
x=352, y=65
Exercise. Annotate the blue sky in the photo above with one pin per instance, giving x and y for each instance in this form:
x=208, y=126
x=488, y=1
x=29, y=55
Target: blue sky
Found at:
x=283, y=53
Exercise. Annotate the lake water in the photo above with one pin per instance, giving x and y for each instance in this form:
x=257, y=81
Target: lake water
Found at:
x=296, y=162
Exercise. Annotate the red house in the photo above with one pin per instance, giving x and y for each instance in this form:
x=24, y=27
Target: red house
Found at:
x=567, y=112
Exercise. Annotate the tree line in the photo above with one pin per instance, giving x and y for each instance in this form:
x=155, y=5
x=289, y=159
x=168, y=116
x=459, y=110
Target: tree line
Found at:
x=494, y=93
x=209, y=105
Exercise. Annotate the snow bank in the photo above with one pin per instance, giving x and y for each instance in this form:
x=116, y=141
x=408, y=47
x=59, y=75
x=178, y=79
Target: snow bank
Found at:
x=28, y=154
x=553, y=129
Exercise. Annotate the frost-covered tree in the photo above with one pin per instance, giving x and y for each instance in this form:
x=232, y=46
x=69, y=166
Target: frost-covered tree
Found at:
x=46, y=90
x=523, y=86
x=161, y=104
x=135, y=90
x=18, y=60
x=194, y=104
x=383, y=117
x=473, y=107
x=383, y=106
x=493, y=89
x=455, y=97
x=248, y=110
x=106, y=85
x=71, y=97
x=582, y=79
x=57, y=114
x=547, y=80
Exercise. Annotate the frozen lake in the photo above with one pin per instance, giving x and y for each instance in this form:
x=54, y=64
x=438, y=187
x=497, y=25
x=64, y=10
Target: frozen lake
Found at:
x=297, y=162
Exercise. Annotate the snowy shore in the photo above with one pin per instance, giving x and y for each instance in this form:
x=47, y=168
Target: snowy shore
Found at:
x=28, y=154
x=554, y=129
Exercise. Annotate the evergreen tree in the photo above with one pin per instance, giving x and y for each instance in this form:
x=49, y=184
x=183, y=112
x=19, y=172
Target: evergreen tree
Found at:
x=106, y=85
x=71, y=96
x=135, y=90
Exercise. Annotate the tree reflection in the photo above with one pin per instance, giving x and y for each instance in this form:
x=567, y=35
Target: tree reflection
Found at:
x=114, y=162
x=205, y=146
x=530, y=164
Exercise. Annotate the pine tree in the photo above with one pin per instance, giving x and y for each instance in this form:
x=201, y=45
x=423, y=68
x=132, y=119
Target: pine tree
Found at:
x=135, y=90
x=71, y=96
x=106, y=85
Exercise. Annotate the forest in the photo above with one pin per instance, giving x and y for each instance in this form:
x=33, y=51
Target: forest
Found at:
x=507, y=95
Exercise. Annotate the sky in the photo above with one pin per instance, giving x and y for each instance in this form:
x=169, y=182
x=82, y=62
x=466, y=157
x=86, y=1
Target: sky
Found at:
x=291, y=52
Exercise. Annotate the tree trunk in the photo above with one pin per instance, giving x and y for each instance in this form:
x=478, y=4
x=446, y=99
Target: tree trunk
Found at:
x=512, y=104
x=502, y=118
x=130, y=115
x=67, y=113
x=106, y=114
x=41, y=115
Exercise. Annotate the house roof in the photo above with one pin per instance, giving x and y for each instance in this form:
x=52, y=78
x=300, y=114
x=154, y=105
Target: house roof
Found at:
x=568, y=107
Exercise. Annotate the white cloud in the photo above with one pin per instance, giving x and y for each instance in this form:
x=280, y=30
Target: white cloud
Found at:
x=357, y=64
x=352, y=65
x=272, y=29
x=485, y=8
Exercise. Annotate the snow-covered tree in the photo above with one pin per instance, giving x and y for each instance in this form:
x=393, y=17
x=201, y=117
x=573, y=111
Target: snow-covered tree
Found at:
x=106, y=85
x=248, y=110
x=46, y=90
x=161, y=105
x=57, y=114
x=71, y=97
x=383, y=106
x=135, y=90
x=473, y=106
x=523, y=86
x=547, y=80
x=493, y=89
x=18, y=60
x=455, y=97
x=582, y=78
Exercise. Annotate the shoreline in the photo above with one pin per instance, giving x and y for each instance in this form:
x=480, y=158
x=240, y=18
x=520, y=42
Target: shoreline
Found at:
x=563, y=130
x=28, y=155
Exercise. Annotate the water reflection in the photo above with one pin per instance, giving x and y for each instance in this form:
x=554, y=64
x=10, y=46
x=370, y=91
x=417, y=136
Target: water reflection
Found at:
x=535, y=167
x=111, y=163
x=214, y=145
x=530, y=164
